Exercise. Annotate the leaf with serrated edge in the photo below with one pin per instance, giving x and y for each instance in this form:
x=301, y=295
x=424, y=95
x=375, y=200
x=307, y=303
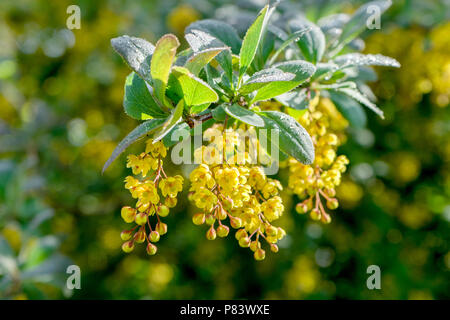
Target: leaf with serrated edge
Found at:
x=134, y=135
x=162, y=60
x=244, y=115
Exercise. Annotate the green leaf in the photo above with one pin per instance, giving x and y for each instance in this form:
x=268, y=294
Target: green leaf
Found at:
x=162, y=60
x=312, y=43
x=350, y=109
x=199, y=108
x=134, y=135
x=359, y=59
x=252, y=39
x=358, y=21
x=244, y=115
x=358, y=96
x=219, y=113
x=204, y=33
x=136, y=52
x=296, y=99
x=296, y=36
x=138, y=102
x=199, y=59
x=191, y=89
x=171, y=122
x=262, y=78
x=293, y=138
x=302, y=70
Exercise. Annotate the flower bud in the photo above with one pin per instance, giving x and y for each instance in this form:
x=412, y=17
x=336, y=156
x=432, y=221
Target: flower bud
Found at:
x=161, y=227
x=315, y=214
x=211, y=234
x=128, y=214
x=271, y=239
x=274, y=248
x=240, y=233
x=154, y=236
x=235, y=222
x=170, y=202
x=259, y=254
x=141, y=218
x=163, y=211
x=222, y=214
x=325, y=218
x=139, y=236
x=198, y=219
x=332, y=204
x=255, y=245
x=222, y=231
x=126, y=235
x=151, y=249
x=210, y=219
x=271, y=231
x=330, y=192
x=244, y=242
x=301, y=208
x=281, y=233
x=128, y=246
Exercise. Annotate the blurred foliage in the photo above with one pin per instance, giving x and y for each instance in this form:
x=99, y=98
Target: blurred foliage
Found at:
x=61, y=116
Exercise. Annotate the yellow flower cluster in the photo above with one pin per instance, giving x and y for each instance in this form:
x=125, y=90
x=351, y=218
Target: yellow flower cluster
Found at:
x=319, y=180
x=149, y=203
x=239, y=192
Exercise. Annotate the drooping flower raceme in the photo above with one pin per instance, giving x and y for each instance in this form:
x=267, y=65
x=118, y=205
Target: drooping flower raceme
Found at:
x=155, y=192
x=238, y=192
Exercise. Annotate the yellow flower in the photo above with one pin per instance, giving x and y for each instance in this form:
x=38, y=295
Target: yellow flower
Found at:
x=171, y=186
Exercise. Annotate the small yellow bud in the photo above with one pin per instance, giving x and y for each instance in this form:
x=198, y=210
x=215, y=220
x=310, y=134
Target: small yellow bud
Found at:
x=222, y=231
x=255, y=245
x=330, y=192
x=332, y=204
x=274, y=248
x=141, y=218
x=163, y=211
x=126, y=235
x=325, y=218
x=139, y=236
x=161, y=227
x=222, y=214
x=154, y=236
x=170, y=202
x=210, y=219
x=281, y=233
x=259, y=254
x=236, y=222
x=315, y=214
x=151, y=249
x=271, y=231
x=240, y=233
x=198, y=219
x=128, y=214
x=301, y=208
x=211, y=234
x=128, y=246
x=244, y=242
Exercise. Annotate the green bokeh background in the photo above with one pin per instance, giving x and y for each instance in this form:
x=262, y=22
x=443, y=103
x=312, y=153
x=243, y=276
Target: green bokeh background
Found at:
x=61, y=116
